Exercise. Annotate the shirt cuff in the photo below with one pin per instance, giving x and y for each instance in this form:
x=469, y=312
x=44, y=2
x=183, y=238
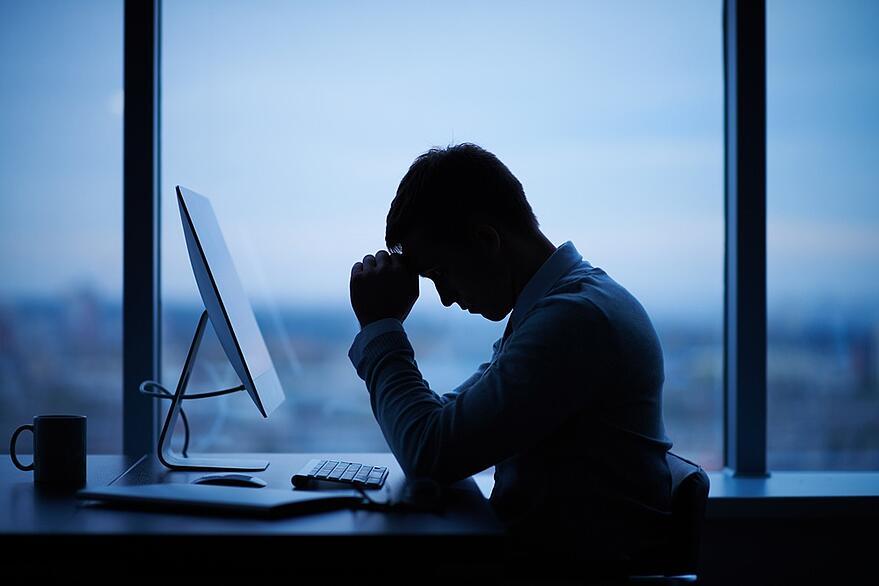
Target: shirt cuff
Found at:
x=370, y=333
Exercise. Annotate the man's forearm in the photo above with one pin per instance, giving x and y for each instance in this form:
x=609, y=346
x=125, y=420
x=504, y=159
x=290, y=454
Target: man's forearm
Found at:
x=404, y=406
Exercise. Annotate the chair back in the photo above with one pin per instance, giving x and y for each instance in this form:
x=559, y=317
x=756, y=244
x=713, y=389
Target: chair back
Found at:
x=689, y=496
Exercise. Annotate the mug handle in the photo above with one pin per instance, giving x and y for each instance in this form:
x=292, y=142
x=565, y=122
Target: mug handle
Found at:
x=12, y=455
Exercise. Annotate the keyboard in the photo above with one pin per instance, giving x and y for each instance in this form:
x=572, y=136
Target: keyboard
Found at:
x=350, y=473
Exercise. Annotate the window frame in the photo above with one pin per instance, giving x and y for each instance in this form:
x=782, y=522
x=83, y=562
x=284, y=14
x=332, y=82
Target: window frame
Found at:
x=745, y=400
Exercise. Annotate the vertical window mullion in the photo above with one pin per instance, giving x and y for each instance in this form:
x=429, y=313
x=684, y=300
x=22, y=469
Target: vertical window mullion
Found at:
x=140, y=288
x=745, y=258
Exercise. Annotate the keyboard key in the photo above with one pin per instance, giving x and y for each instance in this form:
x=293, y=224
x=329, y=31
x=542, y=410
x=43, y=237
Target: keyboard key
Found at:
x=326, y=469
x=348, y=473
x=337, y=471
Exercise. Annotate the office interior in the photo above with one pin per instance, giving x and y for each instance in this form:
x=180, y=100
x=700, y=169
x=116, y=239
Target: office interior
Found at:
x=720, y=158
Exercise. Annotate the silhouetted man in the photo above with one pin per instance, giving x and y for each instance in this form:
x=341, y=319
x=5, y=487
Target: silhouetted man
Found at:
x=568, y=409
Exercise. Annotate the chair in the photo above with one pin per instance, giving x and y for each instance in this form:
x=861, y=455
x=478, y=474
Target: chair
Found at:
x=689, y=496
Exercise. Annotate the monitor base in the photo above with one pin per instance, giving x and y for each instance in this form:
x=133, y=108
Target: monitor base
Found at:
x=175, y=461
x=200, y=463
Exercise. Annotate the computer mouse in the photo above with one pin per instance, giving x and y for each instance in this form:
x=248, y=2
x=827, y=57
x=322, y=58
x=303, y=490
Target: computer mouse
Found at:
x=234, y=479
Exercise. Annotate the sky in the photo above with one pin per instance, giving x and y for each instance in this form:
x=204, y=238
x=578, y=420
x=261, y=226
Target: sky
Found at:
x=299, y=119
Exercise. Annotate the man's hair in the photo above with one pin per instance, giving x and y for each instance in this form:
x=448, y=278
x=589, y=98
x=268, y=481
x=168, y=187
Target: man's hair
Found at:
x=448, y=189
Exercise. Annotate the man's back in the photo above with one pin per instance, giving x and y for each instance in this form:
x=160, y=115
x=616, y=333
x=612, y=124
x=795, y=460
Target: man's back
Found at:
x=600, y=480
x=569, y=411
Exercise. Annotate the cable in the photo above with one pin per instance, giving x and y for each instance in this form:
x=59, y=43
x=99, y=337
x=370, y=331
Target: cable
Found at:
x=164, y=393
x=219, y=393
x=372, y=504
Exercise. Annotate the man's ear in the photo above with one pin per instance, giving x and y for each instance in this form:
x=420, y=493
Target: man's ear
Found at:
x=487, y=239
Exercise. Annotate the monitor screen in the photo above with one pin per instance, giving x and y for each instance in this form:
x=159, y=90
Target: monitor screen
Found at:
x=226, y=302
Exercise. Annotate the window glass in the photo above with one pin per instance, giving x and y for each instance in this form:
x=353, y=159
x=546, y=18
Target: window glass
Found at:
x=61, y=216
x=823, y=234
x=299, y=120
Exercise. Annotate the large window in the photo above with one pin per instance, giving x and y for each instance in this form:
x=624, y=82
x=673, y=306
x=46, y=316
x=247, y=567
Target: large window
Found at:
x=61, y=215
x=299, y=119
x=823, y=234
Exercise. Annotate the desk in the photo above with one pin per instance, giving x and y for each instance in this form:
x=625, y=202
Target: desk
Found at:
x=58, y=531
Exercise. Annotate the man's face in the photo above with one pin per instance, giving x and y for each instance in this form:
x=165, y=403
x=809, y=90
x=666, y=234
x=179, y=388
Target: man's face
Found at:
x=464, y=272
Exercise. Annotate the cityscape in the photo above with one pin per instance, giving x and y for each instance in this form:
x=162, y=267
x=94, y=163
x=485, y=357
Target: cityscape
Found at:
x=64, y=355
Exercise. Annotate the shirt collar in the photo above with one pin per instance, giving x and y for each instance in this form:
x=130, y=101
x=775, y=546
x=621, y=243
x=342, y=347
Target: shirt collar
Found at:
x=557, y=265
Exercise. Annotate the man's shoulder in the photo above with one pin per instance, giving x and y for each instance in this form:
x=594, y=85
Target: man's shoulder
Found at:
x=572, y=305
x=581, y=289
x=588, y=294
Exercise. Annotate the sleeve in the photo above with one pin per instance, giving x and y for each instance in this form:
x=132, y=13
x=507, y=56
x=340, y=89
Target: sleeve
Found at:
x=453, y=394
x=535, y=383
x=370, y=333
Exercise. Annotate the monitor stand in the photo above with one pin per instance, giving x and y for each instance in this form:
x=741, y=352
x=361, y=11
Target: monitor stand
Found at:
x=176, y=461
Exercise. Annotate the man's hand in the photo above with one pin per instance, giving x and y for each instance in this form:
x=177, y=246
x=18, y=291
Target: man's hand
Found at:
x=381, y=286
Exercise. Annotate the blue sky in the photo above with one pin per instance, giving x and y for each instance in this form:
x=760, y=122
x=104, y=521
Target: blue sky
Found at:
x=299, y=120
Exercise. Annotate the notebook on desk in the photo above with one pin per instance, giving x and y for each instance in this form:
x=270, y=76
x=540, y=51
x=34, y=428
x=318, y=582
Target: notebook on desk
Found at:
x=223, y=499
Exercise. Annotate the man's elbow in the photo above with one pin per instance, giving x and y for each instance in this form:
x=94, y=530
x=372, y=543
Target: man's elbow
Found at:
x=425, y=453
x=432, y=460
x=429, y=468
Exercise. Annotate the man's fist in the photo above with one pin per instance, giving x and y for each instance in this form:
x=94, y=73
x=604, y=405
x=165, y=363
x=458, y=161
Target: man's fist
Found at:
x=381, y=286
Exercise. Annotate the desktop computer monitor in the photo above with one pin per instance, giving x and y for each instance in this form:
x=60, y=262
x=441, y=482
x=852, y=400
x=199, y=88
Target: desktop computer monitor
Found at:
x=226, y=303
x=227, y=307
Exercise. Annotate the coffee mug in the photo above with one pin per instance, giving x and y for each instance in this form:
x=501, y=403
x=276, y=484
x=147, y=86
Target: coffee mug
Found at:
x=59, y=450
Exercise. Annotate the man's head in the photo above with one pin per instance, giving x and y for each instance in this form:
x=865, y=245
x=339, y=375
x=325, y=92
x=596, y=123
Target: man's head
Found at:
x=458, y=217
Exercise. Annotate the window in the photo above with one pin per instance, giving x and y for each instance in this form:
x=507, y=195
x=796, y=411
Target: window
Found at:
x=61, y=215
x=823, y=235
x=299, y=121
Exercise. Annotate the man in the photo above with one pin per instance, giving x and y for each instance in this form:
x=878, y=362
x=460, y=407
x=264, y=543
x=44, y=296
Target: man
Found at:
x=568, y=409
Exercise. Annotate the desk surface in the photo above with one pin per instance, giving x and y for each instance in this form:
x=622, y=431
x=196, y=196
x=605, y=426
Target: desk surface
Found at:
x=56, y=535
x=27, y=510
